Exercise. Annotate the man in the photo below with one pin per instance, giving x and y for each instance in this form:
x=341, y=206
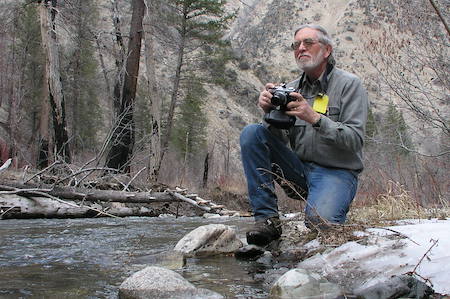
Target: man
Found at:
x=320, y=154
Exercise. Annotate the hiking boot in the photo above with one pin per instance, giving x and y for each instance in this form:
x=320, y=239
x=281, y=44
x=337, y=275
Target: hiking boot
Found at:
x=264, y=231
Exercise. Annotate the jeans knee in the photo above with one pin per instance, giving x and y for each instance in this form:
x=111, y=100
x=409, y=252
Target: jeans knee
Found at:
x=321, y=217
x=249, y=134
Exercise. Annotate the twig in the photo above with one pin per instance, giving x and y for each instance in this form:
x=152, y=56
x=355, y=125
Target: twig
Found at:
x=396, y=232
x=444, y=22
x=291, y=186
x=43, y=170
x=81, y=171
x=133, y=178
x=421, y=259
x=1, y=216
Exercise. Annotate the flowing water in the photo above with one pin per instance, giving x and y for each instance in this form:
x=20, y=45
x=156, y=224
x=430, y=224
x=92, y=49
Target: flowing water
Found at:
x=90, y=258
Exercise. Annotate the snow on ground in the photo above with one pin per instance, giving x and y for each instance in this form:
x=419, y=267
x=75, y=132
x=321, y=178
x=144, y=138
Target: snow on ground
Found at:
x=383, y=254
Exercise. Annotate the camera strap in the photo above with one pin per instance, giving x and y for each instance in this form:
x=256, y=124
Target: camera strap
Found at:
x=320, y=103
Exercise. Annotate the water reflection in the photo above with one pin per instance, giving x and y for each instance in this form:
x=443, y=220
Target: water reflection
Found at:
x=89, y=258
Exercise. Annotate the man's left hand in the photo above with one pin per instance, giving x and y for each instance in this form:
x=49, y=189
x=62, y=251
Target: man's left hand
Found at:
x=302, y=109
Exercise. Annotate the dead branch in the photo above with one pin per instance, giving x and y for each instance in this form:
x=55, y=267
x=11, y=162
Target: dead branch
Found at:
x=133, y=178
x=188, y=200
x=43, y=170
x=425, y=255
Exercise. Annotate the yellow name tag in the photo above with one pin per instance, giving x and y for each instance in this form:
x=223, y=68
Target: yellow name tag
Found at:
x=321, y=103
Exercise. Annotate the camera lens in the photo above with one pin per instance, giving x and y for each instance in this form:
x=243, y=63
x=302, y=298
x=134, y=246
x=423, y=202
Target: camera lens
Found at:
x=278, y=99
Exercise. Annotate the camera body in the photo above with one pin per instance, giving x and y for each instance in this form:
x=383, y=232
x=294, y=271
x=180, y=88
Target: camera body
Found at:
x=280, y=96
x=280, y=99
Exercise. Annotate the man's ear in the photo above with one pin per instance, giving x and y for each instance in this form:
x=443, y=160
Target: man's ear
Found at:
x=328, y=50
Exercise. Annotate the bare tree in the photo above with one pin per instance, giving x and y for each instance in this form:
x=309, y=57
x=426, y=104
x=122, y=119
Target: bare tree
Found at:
x=123, y=138
x=48, y=12
x=411, y=58
x=155, y=97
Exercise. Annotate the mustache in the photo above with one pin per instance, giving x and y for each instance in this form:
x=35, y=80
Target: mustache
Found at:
x=303, y=55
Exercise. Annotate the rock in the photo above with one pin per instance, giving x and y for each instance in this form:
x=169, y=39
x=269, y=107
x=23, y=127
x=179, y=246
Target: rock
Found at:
x=266, y=259
x=209, y=239
x=211, y=215
x=397, y=286
x=300, y=283
x=249, y=252
x=155, y=282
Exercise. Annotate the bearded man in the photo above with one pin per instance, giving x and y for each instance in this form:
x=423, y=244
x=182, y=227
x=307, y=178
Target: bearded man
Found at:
x=319, y=154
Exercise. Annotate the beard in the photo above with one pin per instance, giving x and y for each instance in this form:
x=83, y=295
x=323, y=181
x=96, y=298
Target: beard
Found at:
x=311, y=63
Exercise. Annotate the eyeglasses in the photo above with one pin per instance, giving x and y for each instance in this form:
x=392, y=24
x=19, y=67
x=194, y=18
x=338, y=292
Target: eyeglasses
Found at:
x=307, y=43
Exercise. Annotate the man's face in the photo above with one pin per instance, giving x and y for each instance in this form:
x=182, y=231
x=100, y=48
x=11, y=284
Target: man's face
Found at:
x=310, y=53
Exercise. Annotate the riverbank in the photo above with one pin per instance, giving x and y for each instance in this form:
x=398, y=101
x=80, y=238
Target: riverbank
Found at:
x=416, y=247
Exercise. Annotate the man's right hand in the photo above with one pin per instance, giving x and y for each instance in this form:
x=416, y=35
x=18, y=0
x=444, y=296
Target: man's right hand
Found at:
x=264, y=98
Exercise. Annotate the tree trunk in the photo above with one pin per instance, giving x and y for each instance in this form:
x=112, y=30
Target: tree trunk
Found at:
x=77, y=77
x=123, y=137
x=49, y=41
x=119, y=59
x=174, y=96
x=43, y=138
x=155, y=97
x=206, y=171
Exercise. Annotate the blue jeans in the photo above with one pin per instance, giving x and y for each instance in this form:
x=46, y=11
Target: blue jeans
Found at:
x=330, y=190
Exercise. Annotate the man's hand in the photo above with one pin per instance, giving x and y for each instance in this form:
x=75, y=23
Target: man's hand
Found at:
x=264, y=98
x=302, y=109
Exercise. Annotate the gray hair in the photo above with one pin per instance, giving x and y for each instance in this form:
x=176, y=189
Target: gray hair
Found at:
x=323, y=37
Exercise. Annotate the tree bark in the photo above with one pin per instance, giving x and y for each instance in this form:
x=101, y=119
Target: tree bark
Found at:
x=43, y=138
x=155, y=97
x=48, y=14
x=123, y=137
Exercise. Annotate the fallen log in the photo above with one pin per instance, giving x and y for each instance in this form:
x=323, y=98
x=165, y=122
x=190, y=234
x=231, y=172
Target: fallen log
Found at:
x=83, y=194
x=77, y=198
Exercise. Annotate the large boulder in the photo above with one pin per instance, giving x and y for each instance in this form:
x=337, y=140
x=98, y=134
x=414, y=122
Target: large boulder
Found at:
x=156, y=282
x=209, y=239
x=404, y=286
x=300, y=283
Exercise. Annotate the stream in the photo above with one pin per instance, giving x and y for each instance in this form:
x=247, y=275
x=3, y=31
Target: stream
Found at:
x=90, y=258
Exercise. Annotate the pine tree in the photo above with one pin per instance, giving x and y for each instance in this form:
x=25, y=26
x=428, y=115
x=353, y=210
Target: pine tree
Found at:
x=395, y=130
x=200, y=25
x=371, y=128
x=81, y=75
x=190, y=127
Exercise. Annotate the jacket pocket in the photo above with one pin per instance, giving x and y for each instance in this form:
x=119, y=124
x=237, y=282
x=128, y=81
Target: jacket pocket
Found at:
x=334, y=113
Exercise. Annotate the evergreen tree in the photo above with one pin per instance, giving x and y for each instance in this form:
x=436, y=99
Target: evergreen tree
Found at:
x=82, y=76
x=32, y=66
x=200, y=26
x=395, y=130
x=371, y=128
x=189, y=135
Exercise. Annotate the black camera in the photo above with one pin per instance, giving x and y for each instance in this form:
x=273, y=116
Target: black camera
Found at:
x=280, y=99
x=280, y=96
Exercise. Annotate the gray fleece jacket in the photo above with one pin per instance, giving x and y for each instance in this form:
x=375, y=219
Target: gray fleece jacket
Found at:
x=339, y=139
